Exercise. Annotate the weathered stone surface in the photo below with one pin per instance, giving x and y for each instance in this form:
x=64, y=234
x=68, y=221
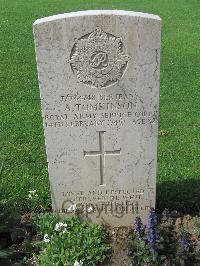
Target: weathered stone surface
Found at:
x=99, y=85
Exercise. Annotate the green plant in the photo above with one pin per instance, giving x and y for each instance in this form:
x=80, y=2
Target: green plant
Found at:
x=197, y=228
x=160, y=244
x=185, y=255
x=15, y=236
x=197, y=231
x=146, y=242
x=66, y=242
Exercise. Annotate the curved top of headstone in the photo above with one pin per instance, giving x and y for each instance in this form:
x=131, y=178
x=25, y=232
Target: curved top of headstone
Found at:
x=96, y=12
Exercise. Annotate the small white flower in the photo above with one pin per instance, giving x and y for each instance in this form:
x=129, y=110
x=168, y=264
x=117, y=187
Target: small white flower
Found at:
x=32, y=192
x=58, y=226
x=46, y=238
x=64, y=230
x=80, y=263
x=61, y=227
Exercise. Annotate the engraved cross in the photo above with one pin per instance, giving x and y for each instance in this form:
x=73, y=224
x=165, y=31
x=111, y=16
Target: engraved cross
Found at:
x=101, y=153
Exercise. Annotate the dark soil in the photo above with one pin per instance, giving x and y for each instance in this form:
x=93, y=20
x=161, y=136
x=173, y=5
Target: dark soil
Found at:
x=117, y=237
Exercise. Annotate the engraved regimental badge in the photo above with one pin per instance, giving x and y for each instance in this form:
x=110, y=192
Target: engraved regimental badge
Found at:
x=97, y=59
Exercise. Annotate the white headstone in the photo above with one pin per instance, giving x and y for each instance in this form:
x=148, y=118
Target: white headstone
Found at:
x=99, y=85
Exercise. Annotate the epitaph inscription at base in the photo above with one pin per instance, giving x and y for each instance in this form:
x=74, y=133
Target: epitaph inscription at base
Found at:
x=99, y=87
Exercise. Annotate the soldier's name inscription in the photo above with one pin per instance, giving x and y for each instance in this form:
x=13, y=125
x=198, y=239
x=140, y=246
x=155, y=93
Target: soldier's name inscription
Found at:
x=99, y=110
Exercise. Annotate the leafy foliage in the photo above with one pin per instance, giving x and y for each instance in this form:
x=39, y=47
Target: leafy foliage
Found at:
x=145, y=245
x=15, y=236
x=197, y=229
x=160, y=244
x=79, y=241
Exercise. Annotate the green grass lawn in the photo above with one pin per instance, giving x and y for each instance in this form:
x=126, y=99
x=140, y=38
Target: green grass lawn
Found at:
x=21, y=135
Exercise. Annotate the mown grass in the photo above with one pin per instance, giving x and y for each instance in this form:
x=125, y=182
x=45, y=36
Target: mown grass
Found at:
x=22, y=141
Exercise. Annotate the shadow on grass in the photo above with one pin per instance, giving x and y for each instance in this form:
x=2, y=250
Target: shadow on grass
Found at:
x=180, y=195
